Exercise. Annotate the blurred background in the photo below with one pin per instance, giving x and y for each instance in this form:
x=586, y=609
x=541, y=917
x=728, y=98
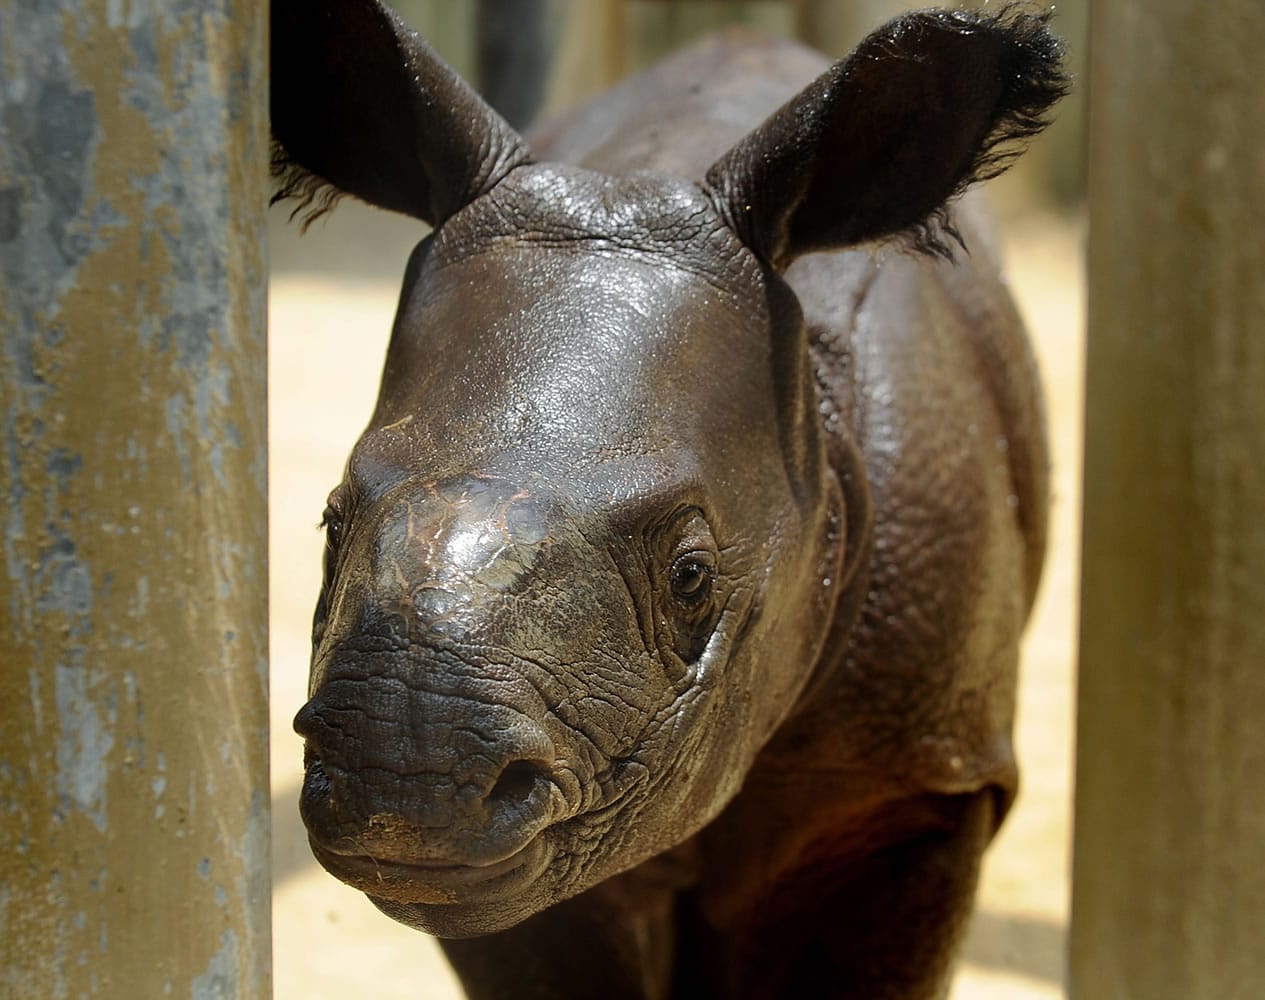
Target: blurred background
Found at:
x=333, y=294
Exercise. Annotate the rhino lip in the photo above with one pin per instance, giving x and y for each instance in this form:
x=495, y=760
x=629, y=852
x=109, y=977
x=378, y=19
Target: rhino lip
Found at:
x=421, y=881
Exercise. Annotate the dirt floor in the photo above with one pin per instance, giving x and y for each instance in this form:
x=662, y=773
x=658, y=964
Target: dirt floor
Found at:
x=333, y=296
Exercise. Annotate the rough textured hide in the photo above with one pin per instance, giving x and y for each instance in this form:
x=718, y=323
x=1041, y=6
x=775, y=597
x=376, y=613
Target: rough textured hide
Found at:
x=673, y=596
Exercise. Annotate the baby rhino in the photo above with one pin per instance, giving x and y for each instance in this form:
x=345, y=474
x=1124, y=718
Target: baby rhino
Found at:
x=672, y=601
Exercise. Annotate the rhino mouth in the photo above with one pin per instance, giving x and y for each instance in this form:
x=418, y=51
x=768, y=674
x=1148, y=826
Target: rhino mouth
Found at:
x=435, y=883
x=406, y=872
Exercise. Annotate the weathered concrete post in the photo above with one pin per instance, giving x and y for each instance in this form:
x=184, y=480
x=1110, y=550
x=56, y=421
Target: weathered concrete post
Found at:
x=133, y=574
x=835, y=27
x=1169, y=893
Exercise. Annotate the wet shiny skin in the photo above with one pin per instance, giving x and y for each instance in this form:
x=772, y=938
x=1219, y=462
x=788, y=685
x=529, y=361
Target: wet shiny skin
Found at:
x=671, y=597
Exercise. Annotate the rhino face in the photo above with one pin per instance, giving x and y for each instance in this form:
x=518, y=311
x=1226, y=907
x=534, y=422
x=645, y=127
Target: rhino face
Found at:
x=585, y=556
x=575, y=572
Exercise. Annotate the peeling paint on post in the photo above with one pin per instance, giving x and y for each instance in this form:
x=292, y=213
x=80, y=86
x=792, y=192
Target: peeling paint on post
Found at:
x=133, y=571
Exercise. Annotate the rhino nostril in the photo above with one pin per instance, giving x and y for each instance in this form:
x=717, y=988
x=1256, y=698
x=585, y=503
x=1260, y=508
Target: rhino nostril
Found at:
x=316, y=781
x=517, y=781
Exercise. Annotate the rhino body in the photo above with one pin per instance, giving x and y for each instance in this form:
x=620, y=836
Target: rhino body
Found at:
x=669, y=632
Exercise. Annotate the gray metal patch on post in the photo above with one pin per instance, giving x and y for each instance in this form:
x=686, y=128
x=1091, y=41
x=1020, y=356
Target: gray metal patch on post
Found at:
x=133, y=574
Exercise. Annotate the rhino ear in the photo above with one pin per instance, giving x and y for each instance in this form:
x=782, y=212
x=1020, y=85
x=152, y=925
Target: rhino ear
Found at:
x=362, y=106
x=924, y=106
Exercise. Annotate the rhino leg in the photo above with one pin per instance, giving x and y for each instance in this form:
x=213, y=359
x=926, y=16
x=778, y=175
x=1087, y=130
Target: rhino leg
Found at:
x=885, y=925
x=587, y=946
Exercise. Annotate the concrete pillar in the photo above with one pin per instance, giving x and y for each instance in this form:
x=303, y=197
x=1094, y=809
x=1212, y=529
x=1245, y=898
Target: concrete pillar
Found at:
x=653, y=29
x=133, y=570
x=515, y=44
x=1169, y=874
x=835, y=27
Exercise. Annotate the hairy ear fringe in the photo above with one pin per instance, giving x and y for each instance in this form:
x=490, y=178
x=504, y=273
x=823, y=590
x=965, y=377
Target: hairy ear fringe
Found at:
x=313, y=194
x=1033, y=62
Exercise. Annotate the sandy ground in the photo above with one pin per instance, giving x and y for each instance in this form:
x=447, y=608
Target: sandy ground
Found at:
x=333, y=296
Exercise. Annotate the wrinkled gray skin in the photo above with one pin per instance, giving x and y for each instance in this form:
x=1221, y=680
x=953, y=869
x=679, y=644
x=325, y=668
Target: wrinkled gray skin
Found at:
x=668, y=638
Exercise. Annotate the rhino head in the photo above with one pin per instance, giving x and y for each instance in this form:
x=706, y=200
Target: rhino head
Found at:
x=584, y=558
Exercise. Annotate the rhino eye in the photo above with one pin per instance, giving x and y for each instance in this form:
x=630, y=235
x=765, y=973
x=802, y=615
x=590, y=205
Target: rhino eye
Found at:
x=692, y=577
x=332, y=522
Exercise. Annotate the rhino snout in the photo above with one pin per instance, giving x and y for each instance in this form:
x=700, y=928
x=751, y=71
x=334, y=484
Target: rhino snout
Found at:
x=448, y=788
